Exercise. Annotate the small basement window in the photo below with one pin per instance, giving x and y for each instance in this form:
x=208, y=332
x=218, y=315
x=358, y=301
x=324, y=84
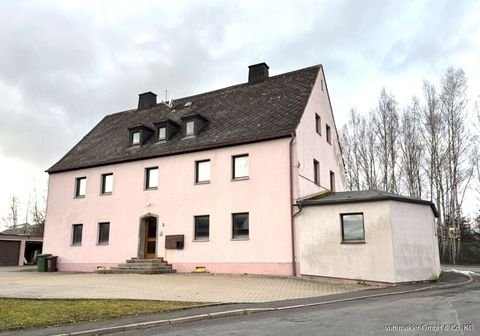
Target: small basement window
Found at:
x=352, y=227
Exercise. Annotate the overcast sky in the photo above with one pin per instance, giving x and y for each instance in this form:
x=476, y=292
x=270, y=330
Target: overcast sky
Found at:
x=66, y=64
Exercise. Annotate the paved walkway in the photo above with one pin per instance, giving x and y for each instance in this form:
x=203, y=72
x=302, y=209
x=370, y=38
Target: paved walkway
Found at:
x=174, y=287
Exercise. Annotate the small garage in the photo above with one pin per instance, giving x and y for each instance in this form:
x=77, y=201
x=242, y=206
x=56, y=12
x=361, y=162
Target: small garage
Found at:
x=368, y=235
x=18, y=250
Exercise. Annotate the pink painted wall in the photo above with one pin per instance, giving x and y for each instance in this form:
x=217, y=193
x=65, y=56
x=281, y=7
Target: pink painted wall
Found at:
x=310, y=145
x=265, y=195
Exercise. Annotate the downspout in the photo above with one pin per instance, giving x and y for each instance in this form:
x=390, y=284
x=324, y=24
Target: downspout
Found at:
x=292, y=215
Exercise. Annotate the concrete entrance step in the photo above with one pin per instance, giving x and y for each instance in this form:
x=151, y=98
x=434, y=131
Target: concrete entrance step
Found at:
x=143, y=266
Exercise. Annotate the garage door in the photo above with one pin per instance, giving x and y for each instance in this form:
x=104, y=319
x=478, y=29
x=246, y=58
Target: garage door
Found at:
x=9, y=251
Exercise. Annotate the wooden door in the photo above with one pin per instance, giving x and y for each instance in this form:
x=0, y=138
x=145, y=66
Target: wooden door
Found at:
x=150, y=238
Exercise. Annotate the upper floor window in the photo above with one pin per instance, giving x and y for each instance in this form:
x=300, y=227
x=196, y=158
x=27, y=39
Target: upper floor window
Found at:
x=190, y=128
x=80, y=186
x=316, y=172
x=329, y=134
x=332, y=181
x=318, y=124
x=202, y=227
x=151, y=178
x=135, y=138
x=352, y=227
x=162, y=134
x=240, y=225
x=103, y=233
x=240, y=166
x=77, y=234
x=202, y=171
x=107, y=183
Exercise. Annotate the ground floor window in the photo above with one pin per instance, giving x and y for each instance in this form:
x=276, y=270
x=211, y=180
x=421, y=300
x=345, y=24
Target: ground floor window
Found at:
x=240, y=225
x=202, y=227
x=77, y=234
x=103, y=233
x=352, y=227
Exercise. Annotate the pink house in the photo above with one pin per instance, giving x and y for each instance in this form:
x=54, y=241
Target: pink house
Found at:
x=209, y=180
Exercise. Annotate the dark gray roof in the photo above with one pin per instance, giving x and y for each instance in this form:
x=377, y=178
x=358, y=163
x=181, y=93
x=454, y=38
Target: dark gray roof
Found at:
x=362, y=196
x=24, y=229
x=237, y=114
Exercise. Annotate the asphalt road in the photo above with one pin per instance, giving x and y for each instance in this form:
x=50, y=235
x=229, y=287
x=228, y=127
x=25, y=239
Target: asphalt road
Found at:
x=437, y=312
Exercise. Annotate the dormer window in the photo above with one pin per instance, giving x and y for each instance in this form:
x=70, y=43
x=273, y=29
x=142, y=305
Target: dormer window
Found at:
x=190, y=128
x=193, y=124
x=136, y=138
x=166, y=129
x=162, y=133
x=139, y=134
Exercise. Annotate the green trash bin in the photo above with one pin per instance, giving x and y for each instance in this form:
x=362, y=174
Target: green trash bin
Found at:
x=42, y=262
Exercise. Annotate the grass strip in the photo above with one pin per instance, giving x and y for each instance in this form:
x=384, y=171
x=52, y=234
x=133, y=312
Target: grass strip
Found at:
x=34, y=313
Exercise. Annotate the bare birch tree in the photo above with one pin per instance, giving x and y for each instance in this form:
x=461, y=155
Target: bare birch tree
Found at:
x=386, y=127
x=411, y=146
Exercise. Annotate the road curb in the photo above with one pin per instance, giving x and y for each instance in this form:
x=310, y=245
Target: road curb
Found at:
x=247, y=311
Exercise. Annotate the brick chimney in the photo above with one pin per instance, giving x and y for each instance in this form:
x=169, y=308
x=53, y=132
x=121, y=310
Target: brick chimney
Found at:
x=257, y=73
x=146, y=100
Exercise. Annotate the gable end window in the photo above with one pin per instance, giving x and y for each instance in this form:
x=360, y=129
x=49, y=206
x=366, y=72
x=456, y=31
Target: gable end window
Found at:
x=202, y=171
x=151, y=178
x=107, y=184
x=80, y=187
x=240, y=226
x=316, y=172
x=240, y=168
x=329, y=134
x=352, y=227
x=332, y=181
x=77, y=234
x=318, y=124
x=103, y=233
x=202, y=227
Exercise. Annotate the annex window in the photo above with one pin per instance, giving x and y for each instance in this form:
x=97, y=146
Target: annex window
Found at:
x=80, y=186
x=352, y=227
x=318, y=124
x=240, y=166
x=161, y=134
x=329, y=134
x=103, y=233
x=316, y=172
x=151, y=178
x=202, y=171
x=77, y=234
x=332, y=181
x=135, y=138
x=190, y=128
x=202, y=227
x=107, y=184
x=240, y=225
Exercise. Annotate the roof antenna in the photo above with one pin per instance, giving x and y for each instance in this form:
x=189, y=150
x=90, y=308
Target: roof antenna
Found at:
x=168, y=102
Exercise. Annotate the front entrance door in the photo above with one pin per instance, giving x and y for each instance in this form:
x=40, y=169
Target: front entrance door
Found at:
x=150, y=238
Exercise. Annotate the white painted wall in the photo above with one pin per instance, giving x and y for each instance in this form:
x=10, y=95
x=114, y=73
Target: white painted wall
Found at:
x=415, y=245
x=323, y=254
x=400, y=243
